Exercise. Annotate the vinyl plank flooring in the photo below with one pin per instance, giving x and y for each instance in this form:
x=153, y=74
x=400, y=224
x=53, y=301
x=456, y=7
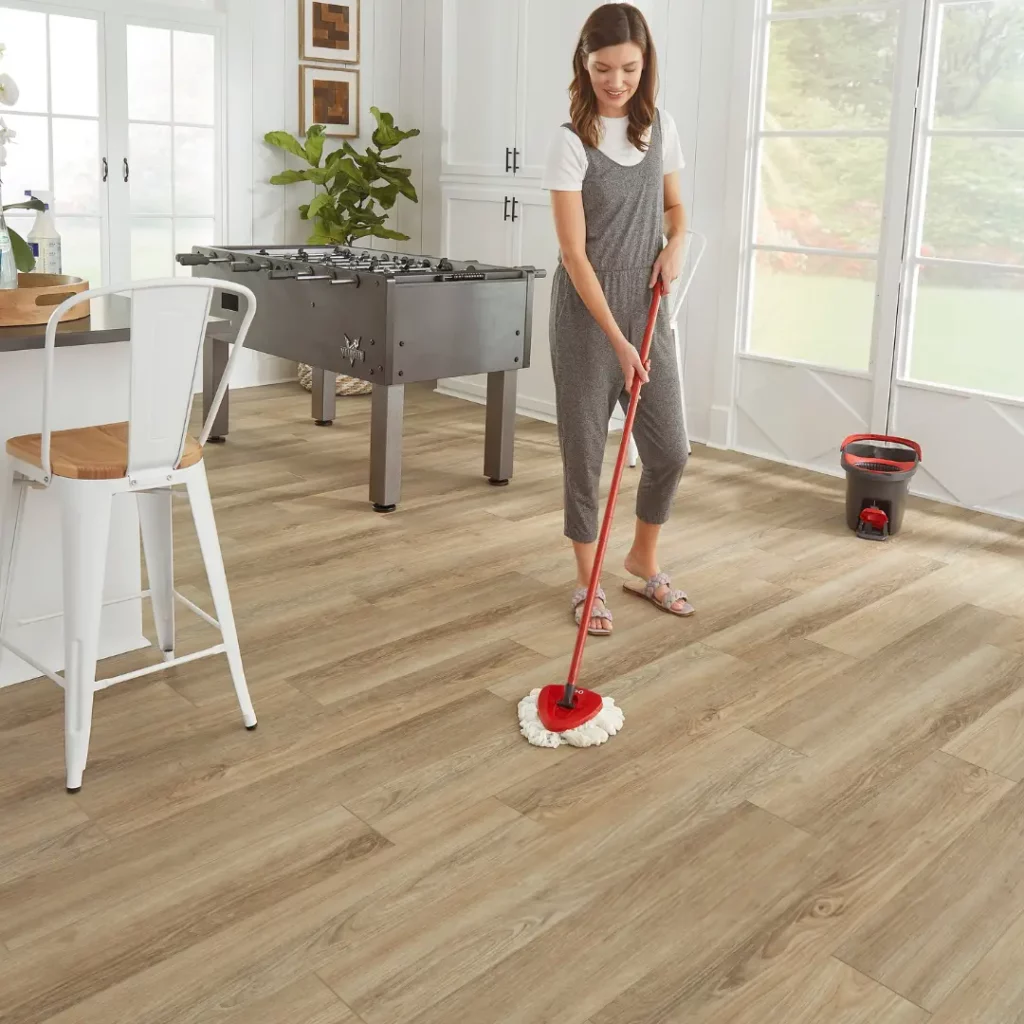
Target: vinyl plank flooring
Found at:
x=812, y=815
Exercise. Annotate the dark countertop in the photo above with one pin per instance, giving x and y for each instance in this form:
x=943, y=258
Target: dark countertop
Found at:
x=109, y=321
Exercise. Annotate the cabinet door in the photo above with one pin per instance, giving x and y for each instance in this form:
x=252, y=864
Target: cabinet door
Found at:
x=477, y=225
x=534, y=243
x=548, y=34
x=479, y=86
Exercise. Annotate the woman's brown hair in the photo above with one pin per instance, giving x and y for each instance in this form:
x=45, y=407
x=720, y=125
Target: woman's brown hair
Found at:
x=613, y=25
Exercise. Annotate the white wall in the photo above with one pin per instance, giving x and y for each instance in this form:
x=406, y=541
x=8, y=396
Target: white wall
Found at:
x=263, y=95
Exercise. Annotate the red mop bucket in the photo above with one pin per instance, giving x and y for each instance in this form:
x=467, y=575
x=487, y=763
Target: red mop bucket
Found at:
x=878, y=473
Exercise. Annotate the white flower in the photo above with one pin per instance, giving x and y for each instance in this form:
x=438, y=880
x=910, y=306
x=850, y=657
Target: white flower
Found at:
x=8, y=91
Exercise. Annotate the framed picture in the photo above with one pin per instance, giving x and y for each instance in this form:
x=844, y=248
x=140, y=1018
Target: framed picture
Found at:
x=329, y=32
x=329, y=96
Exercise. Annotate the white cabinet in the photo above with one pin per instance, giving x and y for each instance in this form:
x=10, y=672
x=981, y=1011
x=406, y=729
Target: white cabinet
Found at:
x=479, y=86
x=506, y=69
x=477, y=224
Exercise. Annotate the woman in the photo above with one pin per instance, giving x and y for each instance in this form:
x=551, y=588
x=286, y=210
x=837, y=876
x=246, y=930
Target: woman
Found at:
x=612, y=173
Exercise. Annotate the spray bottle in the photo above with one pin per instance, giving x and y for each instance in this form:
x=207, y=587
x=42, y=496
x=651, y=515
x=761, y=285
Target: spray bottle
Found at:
x=43, y=238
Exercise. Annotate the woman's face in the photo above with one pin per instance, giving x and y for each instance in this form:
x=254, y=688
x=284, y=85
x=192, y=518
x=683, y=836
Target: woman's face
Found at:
x=615, y=75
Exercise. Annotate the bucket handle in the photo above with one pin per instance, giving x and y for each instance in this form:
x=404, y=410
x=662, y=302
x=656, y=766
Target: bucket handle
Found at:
x=882, y=437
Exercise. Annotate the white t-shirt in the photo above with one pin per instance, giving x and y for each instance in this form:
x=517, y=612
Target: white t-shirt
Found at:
x=567, y=157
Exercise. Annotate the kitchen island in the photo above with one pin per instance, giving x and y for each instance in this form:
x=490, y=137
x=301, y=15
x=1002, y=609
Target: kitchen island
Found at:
x=90, y=385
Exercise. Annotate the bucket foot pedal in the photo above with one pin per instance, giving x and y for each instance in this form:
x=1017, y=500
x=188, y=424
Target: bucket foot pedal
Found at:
x=873, y=525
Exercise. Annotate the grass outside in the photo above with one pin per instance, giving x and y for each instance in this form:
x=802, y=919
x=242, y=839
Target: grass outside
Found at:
x=966, y=338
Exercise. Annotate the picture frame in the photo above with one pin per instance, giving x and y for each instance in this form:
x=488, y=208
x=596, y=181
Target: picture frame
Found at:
x=329, y=32
x=329, y=96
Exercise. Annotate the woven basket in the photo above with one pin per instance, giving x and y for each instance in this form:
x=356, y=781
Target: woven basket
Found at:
x=345, y=386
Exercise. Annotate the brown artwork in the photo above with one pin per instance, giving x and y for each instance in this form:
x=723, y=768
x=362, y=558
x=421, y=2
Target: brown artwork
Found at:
x=330, y=100
x=332, y=26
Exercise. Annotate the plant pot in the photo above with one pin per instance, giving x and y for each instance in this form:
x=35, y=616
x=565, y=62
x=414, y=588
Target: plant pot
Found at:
x=346, y=387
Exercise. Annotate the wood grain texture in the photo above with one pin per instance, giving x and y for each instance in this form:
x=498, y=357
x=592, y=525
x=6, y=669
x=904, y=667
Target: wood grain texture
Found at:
x=813, y=815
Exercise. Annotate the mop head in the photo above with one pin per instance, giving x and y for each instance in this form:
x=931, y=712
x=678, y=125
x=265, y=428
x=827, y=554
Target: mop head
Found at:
x=605, y=724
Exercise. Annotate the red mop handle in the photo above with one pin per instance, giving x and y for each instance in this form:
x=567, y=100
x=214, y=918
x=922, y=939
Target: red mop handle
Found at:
x=606, y=526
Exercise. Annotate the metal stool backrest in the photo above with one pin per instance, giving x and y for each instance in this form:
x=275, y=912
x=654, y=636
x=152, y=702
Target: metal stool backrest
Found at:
x=169, y=319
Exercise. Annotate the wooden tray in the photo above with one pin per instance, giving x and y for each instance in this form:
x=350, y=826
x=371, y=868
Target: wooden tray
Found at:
x=33, y=300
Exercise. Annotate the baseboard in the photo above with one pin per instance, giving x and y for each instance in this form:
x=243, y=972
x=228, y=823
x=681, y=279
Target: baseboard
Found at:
x=531, y=408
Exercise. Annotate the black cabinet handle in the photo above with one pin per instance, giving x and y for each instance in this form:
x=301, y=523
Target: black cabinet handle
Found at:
x=106, y=169
x=505, y=215
x=515, y=161
x=514, y=201
x=124, y=168
x=508, y=160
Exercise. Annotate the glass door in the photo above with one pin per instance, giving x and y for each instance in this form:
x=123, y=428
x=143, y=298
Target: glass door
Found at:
x=959, y=386
x=55, y=58
x=819, y=244
x=168, y=130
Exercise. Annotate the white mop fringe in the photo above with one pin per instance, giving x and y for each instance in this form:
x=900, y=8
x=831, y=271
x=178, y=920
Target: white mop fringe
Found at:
x=591, y=734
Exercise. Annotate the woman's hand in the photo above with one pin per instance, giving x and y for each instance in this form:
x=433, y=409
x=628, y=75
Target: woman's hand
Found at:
x=669, y=265
x=629, y=360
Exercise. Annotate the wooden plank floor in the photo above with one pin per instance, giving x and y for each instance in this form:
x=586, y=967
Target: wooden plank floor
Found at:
x=813, y=816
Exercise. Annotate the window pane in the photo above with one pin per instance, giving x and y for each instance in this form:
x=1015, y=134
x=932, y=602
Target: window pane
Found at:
x=813, y=5
x=149, y=178
x=975, y=200
x=80, y=248
x=981, y=66
x=194, y=163
x=152, y=248
x=28, y=156
x=149, y=73
x=24, y=34
x=822, y=193
x=967, y=329
x=193, y=77
x=813, y=308
x=831, y=72
x=189, y=231
x=76, y=166
x=74, y=76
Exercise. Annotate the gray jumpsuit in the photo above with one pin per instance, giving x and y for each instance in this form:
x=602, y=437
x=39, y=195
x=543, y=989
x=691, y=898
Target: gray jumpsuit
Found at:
x=624, y=209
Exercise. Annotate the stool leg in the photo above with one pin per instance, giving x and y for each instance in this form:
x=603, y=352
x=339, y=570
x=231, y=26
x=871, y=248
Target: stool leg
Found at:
x=209, y=544
x=85, y=531
x=13, y=509
x=158, y=544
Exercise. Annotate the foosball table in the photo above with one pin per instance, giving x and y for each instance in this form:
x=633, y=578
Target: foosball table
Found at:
x=386, y=318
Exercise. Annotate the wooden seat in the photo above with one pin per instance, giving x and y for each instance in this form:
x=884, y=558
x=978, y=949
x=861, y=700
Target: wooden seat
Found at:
x=89, y=453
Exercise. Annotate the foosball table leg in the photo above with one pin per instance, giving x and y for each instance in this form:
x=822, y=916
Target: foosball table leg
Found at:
x=325, y=399
x=500, y=430
x=386, y=413
x=215, y=362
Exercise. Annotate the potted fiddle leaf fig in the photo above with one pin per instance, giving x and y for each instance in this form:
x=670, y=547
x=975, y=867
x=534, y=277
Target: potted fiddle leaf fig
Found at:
x=353, y=191
x=353, y=195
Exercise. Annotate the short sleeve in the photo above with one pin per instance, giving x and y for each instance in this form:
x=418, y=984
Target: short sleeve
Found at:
x=671, y=145
x=566, y=163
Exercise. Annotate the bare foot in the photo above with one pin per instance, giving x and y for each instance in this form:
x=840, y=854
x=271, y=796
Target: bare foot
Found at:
x=598, y=622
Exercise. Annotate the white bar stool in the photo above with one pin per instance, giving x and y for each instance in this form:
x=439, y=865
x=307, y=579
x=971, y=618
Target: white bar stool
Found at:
x=147, y=456
x=695, y=245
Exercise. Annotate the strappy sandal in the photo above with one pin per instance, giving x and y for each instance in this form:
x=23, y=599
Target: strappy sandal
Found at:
x=648, y=590
x=579, y=600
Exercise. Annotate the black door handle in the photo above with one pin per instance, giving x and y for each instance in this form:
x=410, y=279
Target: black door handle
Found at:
x=124, y=168
x=514, y=201
x=505, y=215
x=106, y=169
x=515, y=161
x=508, y=159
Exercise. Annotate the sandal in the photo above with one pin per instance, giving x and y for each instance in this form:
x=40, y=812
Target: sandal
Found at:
x=579, y=599
x=647, y=591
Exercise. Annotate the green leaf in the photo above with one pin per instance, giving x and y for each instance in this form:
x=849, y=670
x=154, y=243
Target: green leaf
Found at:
x=318, y=175
x=289, y=177
x=387, y=196
x=319, y=238
x=318, y=203
x=388, y=233
x=314, y=144
x=28, y=204
x=23, y=258
x=285, y=141
x=304, y=211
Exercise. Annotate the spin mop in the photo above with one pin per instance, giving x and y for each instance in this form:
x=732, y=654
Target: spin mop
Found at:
x=555, y=714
